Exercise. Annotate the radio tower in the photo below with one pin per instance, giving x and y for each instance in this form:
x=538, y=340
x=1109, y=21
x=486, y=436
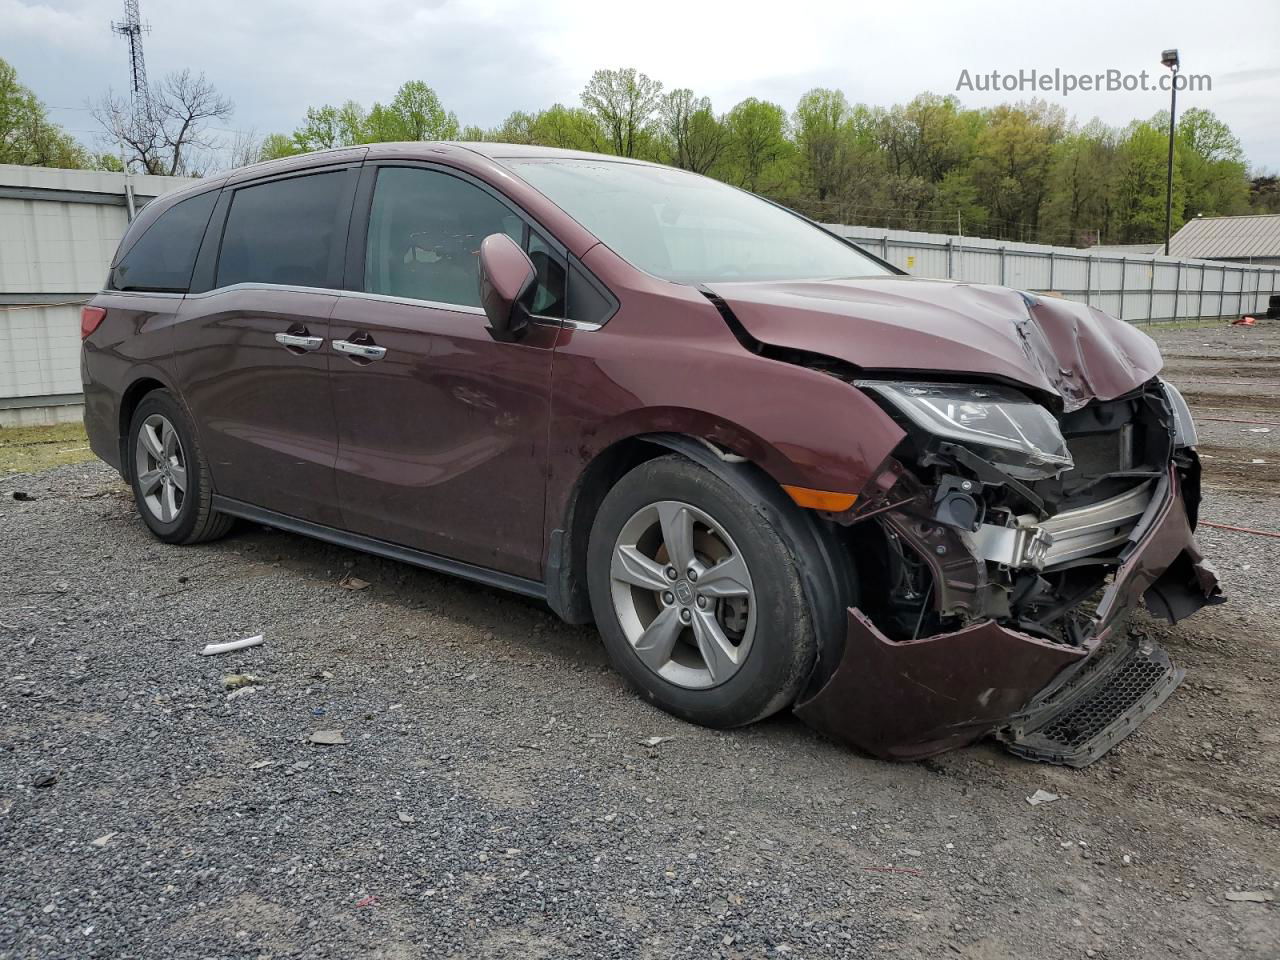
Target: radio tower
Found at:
x=133, y=28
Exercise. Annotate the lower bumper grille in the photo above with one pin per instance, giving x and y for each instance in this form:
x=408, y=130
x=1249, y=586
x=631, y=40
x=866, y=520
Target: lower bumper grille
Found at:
x=1078, y=721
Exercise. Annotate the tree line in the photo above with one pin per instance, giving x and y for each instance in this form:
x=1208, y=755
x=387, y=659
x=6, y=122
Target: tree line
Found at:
x=1023, y=171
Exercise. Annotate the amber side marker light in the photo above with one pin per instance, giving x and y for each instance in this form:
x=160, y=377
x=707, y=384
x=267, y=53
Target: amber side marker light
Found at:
x=820, y=499
x=90, y=317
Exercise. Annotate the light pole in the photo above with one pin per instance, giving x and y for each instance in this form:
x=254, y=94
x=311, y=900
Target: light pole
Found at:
x=1170, y=59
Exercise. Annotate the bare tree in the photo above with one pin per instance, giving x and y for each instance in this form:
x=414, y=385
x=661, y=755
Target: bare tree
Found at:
x=166, y=131
x=246, y=148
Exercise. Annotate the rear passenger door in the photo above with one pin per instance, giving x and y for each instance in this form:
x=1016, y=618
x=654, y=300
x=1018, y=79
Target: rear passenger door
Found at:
x=251, y=341
x=442, y=430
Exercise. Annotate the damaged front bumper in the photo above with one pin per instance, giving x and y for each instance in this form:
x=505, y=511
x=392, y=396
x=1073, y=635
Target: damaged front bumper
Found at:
x=908, y=699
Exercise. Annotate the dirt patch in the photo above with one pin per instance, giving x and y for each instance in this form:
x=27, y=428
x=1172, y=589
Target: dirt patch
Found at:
x=1235, y=468
x=1214, y=400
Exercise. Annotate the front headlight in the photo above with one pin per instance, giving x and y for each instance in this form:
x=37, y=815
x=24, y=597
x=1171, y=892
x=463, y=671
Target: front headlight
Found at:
x=997, y=423
x=1184, y=427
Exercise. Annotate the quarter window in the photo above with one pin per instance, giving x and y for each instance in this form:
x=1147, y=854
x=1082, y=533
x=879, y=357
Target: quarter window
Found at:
x=283, y=232
x=161, y=260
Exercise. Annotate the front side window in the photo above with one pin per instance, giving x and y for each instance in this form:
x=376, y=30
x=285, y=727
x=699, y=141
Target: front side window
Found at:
x=282, y=232
x=691, y=229
x=161, y=260
x=425, y=230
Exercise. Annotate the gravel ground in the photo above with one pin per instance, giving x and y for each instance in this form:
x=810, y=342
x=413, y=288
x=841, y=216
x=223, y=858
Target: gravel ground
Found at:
x=494, y=796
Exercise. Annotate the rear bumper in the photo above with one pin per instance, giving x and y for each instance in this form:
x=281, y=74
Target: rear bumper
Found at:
x=908, y=700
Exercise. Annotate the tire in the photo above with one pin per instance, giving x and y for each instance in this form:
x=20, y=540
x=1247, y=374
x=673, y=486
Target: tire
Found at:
x=163, y=455
x=771, y=632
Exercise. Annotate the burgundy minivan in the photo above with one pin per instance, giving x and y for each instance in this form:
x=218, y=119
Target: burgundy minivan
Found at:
x=775, y=471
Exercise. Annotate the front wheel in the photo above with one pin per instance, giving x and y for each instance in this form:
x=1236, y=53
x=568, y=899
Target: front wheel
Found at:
x=698, y=599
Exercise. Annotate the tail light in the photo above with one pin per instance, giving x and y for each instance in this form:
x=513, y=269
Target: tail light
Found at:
x=90, y=317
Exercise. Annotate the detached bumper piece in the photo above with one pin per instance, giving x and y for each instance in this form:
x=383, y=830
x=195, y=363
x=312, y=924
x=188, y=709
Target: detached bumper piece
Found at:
x=1078, y=720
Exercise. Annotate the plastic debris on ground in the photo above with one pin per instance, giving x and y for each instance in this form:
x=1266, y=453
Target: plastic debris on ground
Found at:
x=1250, y=896
x=328, y=738
x=1042, y=796
x=216, y=648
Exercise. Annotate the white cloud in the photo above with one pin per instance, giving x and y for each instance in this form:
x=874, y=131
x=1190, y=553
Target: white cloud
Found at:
x=488, y=57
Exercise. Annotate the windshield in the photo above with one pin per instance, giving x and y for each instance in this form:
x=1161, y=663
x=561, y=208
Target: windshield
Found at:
x=683, y=227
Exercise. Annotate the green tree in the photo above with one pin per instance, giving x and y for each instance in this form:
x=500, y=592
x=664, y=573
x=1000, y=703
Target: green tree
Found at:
x=1213, y=165
x=277, y=145
x=624, y=101
x=821, y=126
x=926, y=138
x=519, y=127
x=757, y=143
x=1011, y=164
x=1078, y=203
x=1142, y=165
x=570, y=128
x=956, y=206
x=1264, y=193
x=415, y=113
x=693, y=137
x=27, y=136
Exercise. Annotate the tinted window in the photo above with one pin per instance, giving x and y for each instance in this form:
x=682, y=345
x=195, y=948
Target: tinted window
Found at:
x=163, y=257
x=683, y=227
x=282, y=232
x=425, y=230
x=587, y=304
x=548, y=296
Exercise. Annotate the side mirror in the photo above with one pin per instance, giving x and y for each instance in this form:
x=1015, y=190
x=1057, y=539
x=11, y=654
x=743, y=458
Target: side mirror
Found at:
x=506, y=275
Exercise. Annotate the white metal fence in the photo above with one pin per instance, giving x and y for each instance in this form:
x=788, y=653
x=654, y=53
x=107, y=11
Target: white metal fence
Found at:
x=59, y=228
x=1137, y=288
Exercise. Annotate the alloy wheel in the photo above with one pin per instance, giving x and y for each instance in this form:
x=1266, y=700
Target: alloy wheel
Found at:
x=683, y=594
x=161, y=468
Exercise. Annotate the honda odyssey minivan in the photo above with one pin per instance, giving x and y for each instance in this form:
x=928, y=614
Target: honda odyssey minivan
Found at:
x=774, y=470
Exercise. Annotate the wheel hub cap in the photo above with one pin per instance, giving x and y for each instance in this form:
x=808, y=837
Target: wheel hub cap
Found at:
x=683, y=594
x=160, y=465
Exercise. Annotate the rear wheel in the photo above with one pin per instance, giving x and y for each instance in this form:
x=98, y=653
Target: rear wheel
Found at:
x=697, y=598
x=169, y=474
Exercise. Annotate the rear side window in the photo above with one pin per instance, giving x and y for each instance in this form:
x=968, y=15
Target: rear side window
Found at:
x=282, y=232
x=161, y=260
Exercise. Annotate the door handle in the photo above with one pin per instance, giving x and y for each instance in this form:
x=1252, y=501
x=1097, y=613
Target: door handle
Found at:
x=365, y=351
x=298, y=341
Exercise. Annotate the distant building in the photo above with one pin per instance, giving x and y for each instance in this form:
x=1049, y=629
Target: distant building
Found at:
x=1254, y=239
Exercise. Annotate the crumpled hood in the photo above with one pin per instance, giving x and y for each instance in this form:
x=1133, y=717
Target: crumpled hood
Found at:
x=927, y=326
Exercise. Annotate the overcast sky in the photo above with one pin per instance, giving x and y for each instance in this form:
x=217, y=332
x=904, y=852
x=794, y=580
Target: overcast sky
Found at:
x=488, y=57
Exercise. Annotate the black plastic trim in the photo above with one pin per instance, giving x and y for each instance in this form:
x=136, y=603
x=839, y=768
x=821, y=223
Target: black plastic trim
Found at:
x=381, y=548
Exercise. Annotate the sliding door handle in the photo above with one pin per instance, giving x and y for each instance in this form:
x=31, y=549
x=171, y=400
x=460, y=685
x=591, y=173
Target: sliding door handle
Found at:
x=362, y=351
x=297, y=341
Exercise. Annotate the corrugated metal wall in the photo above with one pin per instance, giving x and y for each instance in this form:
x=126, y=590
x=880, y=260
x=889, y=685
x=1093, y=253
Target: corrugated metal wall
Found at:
x=1140, y=288
x=58, y=230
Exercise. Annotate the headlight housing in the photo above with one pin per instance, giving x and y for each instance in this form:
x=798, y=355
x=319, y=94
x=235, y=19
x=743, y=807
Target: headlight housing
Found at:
x=1184, y=427
x=997, y=423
